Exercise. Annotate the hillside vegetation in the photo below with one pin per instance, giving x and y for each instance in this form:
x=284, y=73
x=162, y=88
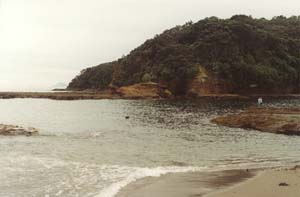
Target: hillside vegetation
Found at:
x=243, y=54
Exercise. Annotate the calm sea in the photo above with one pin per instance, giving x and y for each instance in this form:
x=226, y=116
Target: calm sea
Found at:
x=89, y=148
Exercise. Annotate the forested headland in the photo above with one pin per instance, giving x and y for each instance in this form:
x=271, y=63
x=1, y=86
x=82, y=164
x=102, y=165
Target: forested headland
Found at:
x=237, y=55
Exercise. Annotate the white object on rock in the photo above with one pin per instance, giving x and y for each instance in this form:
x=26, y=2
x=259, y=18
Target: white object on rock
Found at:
x=259, y=101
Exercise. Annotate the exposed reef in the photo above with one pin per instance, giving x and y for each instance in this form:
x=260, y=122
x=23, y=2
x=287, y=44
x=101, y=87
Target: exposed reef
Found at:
x=272, y=120
x=12, y=130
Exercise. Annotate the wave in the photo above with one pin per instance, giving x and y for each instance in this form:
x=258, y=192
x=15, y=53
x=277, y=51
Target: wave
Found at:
x=92, y=179
x=140, y=173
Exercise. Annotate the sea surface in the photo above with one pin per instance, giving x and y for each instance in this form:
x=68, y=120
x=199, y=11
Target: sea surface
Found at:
x=88, y=148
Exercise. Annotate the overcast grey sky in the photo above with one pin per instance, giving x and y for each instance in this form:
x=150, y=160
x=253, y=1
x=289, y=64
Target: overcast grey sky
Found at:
x=43, y=42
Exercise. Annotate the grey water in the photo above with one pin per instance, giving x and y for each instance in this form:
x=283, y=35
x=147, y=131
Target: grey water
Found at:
x=89, y=148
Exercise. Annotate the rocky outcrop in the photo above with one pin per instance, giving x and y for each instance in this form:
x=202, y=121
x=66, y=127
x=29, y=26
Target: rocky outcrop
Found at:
x=206, y=83
x=12, y=130
x=127, y=93
x=144, y=90
x=272, y=120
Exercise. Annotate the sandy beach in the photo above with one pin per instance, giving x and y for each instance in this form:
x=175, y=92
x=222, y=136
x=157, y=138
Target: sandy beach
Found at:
x=189, y=184
x=235, y=183
x=271, y=183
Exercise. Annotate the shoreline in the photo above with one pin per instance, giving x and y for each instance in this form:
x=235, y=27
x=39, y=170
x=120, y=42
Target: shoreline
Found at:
x=270, y=182
x=185, y=184
x=90, y=95
x=272, y=120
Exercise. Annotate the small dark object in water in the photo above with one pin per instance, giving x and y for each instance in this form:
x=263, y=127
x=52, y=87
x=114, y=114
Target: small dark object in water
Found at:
x=127, y=117
x=283, y=184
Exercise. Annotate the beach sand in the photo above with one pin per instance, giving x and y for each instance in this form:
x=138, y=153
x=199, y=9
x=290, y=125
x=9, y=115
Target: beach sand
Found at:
x=193, y=184
x=267, y=184
x=235, y=183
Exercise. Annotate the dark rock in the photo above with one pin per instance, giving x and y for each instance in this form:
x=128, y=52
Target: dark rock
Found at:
x=283, y=184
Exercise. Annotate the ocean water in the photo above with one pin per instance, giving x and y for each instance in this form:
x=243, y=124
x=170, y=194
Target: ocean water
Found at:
x=88, y=148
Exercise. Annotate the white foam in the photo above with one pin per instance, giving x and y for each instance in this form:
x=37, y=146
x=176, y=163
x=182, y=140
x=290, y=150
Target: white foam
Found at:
x=133, y=174
x=140, y=173
x=70, y=178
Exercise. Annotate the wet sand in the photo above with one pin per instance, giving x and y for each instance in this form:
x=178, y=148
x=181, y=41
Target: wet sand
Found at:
x=235, y=183
x=272, y=183
x=193, y=184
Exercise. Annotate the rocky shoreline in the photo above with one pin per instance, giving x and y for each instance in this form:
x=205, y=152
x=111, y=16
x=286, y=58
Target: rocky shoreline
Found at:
x=272, y=120
x=13, y=130
x=140, y=91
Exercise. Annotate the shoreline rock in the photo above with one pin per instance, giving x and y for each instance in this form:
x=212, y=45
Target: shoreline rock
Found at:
x=13, y=130
x=138, y=91
x=145, y=90
x=271, y=120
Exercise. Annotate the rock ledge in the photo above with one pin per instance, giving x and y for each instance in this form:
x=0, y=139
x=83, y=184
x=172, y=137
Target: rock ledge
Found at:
x=12, y=130
x=272, y=120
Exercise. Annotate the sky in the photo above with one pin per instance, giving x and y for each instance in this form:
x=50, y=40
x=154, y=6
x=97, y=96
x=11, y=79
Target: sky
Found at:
x=45, y=42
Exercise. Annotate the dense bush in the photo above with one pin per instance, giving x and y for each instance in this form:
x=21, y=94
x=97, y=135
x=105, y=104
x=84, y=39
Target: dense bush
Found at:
x=98, y=77
x=245, y=52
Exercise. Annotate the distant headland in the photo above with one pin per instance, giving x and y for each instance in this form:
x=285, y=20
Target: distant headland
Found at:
x=240, y=55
